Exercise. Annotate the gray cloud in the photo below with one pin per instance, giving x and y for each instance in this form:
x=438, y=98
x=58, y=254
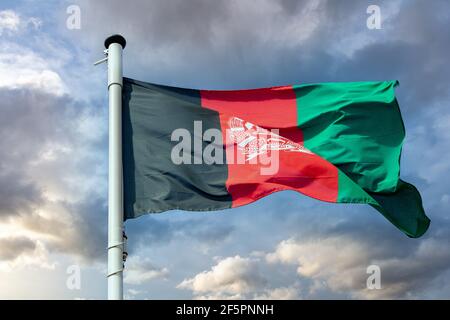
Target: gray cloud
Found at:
x=240, y=44
x=26, y=128
x=17, y=196
x=40, y=142
x=198, y=37
x=339, y=263
x=81, y=233
x=15, y=247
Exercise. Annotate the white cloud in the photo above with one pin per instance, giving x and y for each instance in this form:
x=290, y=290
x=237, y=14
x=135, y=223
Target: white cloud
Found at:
x=21, y=67
x=230, y=276
x=219, y=296
x=316, y=258
x=133, y=294
x=9, y=21
x=284, y=293
x=139, y=271
x=338, y=260
x=339, y=264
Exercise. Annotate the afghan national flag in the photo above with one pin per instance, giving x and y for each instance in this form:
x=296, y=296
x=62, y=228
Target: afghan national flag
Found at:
x=205, y=150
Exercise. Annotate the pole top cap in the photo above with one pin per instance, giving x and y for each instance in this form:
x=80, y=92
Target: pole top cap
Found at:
x=115, y=38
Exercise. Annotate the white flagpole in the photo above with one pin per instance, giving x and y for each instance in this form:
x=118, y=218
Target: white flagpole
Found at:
x=115, y=44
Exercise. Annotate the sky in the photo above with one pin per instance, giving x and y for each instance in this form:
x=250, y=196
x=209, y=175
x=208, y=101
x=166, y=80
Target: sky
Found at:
x=53, y=149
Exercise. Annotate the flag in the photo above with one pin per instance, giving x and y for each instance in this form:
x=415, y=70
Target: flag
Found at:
x=204, y=150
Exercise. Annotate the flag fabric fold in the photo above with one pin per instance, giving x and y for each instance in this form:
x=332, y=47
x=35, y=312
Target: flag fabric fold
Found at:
x=204, y=150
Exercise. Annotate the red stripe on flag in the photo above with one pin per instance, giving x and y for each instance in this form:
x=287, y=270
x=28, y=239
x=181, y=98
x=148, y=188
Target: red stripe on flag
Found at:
x=271, y=108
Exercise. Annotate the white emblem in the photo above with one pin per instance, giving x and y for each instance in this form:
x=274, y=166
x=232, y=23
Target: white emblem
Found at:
x=252, y=140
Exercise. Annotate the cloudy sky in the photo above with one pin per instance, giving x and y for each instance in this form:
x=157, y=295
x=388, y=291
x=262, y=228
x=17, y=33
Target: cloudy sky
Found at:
x=53, y=148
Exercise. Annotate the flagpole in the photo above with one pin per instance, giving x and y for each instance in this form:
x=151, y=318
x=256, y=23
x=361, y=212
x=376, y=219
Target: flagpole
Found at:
x=115, y=44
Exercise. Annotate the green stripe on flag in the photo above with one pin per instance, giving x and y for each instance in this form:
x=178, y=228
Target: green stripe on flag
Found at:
x=350, y=192
x=358, y=127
